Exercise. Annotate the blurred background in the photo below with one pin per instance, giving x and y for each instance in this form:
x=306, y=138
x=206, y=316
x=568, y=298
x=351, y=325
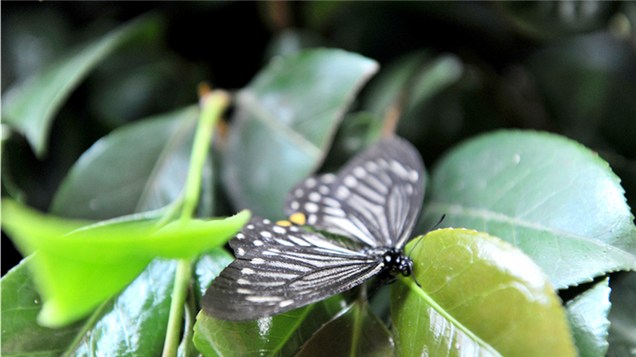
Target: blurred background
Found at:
x=457, y=69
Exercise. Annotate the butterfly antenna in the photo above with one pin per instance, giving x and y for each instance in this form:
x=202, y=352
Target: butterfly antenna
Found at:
x=434, y=227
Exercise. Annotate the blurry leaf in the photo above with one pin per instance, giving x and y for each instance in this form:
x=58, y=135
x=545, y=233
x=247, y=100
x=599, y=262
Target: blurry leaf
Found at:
x=77, y=269
x=622, y=333
x=21, y=336
x=552, y=19
x=139, y=167
x=411, y=80
x=278, y=335
x=284, y=123
x=479, y=296
x=293, y=41
x=588, y=319
x=354, y=332
x=30, y=106
x=553, y=198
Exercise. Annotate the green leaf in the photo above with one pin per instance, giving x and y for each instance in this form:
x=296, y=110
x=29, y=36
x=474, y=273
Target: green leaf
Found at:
x=284, y=123
x=553, y=198
x=110, y=179
x=208, y=267
x=30, y=106
x=21, y=336
x=354, y=332
x=479, y=296
x=131, y=324
x=77, y=269
x=622, y=333
x=587, y=314
x=278, y=335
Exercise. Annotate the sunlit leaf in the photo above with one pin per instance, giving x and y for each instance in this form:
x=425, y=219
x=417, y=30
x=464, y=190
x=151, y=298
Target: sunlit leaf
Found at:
x=553, y=198
x=479, y=296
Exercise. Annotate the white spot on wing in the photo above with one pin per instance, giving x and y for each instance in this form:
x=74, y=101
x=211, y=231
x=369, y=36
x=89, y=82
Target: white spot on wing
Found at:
x=257, y=243
x=323, y=189
x=314, y=196
x=350, y=181
x=247, y=271
x=285, y=303
x=242, y=281
x=311, y=207
x=279, y=230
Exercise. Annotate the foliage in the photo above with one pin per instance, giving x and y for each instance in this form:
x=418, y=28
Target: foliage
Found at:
x=523, y=113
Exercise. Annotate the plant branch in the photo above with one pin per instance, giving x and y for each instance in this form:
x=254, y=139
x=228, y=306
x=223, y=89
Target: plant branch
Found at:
x=213, y=105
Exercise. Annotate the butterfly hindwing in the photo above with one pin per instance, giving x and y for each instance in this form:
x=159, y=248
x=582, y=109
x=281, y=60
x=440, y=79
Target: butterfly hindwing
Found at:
x=375, y=199
x=279, y=268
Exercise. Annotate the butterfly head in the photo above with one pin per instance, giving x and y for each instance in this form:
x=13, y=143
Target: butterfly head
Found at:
x=397, y=263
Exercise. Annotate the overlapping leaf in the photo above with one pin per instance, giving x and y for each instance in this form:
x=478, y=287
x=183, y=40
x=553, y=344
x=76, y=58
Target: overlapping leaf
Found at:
x=553, y=198
x=479, y=296
x=587, y=314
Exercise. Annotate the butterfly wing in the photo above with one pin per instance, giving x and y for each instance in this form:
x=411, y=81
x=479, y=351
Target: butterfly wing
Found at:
x=375, y=199
x=280, y=268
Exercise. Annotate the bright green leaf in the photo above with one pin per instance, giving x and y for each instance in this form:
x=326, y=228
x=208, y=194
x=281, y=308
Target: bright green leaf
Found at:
x=284, y=123
x=553, y=198
x=77, y=269
x=136, y=168
x=479, y=296
x=30, y=106
x=278, y=335
x=354, y=332
x=588, y=319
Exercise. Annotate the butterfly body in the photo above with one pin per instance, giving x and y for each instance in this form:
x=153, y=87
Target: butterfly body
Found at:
x=373, y=202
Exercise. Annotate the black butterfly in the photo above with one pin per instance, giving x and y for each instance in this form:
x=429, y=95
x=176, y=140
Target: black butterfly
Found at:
x=373, y=201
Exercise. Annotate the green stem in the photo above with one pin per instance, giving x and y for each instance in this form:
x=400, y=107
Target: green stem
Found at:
x=212, y=106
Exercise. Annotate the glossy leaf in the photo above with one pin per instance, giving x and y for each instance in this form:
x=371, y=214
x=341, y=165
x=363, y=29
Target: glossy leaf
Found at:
x=285, y=119
x=77, y=269
x=354, y=332
x=479, y=296
x=278, y=335
x=208, y=267
x=136, y=168
x=553, y=198
x=30, y=106
x=131, y=324
x=20, y=306
x=587, y=314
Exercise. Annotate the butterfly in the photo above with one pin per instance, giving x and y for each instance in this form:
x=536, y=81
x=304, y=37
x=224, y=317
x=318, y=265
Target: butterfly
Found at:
x=373, y=203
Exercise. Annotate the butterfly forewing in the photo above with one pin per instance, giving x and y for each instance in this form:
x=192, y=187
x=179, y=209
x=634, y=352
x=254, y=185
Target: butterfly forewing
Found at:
x=279, y=268
x=375, y=199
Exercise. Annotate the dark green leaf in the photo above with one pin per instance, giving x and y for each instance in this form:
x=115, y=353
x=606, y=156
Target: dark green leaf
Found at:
x=354, y=332
x=136, y=168
x=622, y=334
x=284, y=123
x=30, y=106
x=553, y=198
x=479, y=296
x=21, y=304
x=588, y=319
x=278, y=335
